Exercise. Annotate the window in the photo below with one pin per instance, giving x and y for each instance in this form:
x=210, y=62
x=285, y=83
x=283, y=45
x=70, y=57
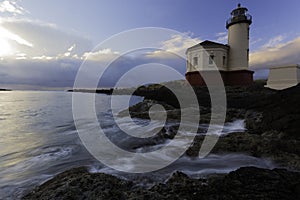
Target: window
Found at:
x=248, y=33
x=224, y=60
x=195, y=61
x=248, y=54
x=211, y=59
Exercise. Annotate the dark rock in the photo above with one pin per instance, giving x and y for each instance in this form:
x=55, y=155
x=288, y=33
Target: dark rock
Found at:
x=271, y=118
x=244, y=183
x=253, y=121
x=78, y=183
x=270, y=145
x=256, y=183
x=283, y=114
x=163, y=134
x=141, y=110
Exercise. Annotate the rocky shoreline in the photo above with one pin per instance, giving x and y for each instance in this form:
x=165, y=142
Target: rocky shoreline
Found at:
x=272, y=121
x=244, y=183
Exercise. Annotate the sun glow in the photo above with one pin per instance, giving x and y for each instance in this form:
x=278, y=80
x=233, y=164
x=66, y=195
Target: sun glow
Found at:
x=6, y=37
x=5, y=48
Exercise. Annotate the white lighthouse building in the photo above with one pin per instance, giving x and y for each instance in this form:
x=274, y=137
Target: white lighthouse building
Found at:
x=232, y=59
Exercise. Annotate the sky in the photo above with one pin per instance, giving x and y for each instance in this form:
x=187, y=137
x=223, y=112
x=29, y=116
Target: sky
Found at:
x=44, y=43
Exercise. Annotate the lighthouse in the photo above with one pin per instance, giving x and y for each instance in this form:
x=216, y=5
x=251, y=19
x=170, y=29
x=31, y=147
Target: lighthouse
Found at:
x=238, y=26
x=231, y=60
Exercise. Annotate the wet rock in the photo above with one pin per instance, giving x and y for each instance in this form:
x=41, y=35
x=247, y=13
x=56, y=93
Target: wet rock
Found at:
x=78, y=183
x=285, y=153
x=163, y=134
x=244, y=183
x=264, y=109
x=253, y=121
x=142, y=109
x=256, y=183
x=271, y=118
x=280, y=113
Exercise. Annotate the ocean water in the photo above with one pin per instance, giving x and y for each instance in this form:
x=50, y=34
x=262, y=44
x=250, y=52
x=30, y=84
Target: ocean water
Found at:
x=38, y=139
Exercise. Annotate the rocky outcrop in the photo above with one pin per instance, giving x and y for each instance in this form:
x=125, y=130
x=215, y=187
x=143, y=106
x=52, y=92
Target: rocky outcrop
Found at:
x=285, y=152
x=281, y=113
x=244, y=183
x=264, y=109
x=271, y=118
x=78, y=183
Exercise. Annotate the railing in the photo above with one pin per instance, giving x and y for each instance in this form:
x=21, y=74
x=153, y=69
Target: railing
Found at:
x=235, y=19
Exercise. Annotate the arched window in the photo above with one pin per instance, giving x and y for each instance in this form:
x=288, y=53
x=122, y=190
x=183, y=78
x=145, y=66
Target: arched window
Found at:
x=211, y=59
x=195, y=61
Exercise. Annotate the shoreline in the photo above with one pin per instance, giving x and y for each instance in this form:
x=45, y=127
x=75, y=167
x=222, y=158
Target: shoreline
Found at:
x=100, y=91
x=5, y=90
x=246, y=183
x=271, y=132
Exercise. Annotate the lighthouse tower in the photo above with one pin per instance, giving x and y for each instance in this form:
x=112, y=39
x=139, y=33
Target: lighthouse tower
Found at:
x=238, y=26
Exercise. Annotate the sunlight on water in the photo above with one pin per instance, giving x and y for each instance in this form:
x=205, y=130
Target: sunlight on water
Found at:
x=31, y=144
x=38, y=139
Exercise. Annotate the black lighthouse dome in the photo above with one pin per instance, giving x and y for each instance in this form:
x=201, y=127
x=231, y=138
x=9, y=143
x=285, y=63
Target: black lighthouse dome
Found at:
x=239, y=15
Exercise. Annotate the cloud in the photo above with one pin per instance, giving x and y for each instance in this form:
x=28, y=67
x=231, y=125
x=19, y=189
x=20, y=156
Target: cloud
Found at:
x=36, y=39
x=274, y=42
x=5, y=34
x=255, y=41
x=5, y=48
x=42, y=54
x=277, y=53
x=71, y=48
x=177, y=45
x=57, y=67
x=12, y=7
x=43, y=57
x=37, y=53
x=261, y=74
x=102, y=55
x=222, y=37
x=39, y=72
x=155, y=72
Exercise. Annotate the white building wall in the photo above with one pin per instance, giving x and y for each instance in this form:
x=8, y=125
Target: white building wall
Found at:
x=283, y=77
x=203, y=56
x=218, y=59
x=238, y=40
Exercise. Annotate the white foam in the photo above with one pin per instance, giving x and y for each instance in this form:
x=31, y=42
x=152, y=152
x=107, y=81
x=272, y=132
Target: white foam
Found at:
x=229, y=127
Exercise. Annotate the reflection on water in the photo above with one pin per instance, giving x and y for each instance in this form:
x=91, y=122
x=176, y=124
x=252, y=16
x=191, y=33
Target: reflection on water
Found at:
x=38, y=139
